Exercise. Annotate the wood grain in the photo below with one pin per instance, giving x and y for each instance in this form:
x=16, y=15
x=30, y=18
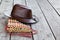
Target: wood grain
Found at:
x=52, y=18
x=49, y=22
x=3, y=7
x=44, y=32
x=56, y=5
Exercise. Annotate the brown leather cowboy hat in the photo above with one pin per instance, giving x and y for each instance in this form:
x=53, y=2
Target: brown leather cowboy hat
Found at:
x=23, y=14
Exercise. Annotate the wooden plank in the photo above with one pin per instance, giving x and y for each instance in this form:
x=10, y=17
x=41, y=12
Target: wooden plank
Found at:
x=52, y=18
x=44, y=32
x=5, y=5
x=3, y=34
x=56, y=4
x=22, y=2
x=8, y=5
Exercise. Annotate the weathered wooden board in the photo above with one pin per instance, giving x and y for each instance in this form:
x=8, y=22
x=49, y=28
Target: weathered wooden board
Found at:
x=48, y=19
x=52, y=18
x=21, y=2
x=44, y=32
x=7, y=8
x=5, y=5
x=56, y=4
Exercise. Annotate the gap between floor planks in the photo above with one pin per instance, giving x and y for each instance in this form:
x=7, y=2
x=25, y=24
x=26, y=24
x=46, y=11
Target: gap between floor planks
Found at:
x=51, y=16
x=36, y=11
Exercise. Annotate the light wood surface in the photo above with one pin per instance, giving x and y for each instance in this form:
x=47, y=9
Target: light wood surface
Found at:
x=49, y=21
x=56, y=5
x=51, y=17
x=44, y=32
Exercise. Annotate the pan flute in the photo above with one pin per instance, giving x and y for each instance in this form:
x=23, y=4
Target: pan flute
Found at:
x=15, y=26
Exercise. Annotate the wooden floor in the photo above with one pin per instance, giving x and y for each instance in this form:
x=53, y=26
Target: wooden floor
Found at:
x=48, y=26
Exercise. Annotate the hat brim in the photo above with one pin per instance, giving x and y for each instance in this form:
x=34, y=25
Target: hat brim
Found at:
x=30, y=21
x=33, y=20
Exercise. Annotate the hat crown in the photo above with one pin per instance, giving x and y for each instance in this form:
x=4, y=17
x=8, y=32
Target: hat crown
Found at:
x=21, y=11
